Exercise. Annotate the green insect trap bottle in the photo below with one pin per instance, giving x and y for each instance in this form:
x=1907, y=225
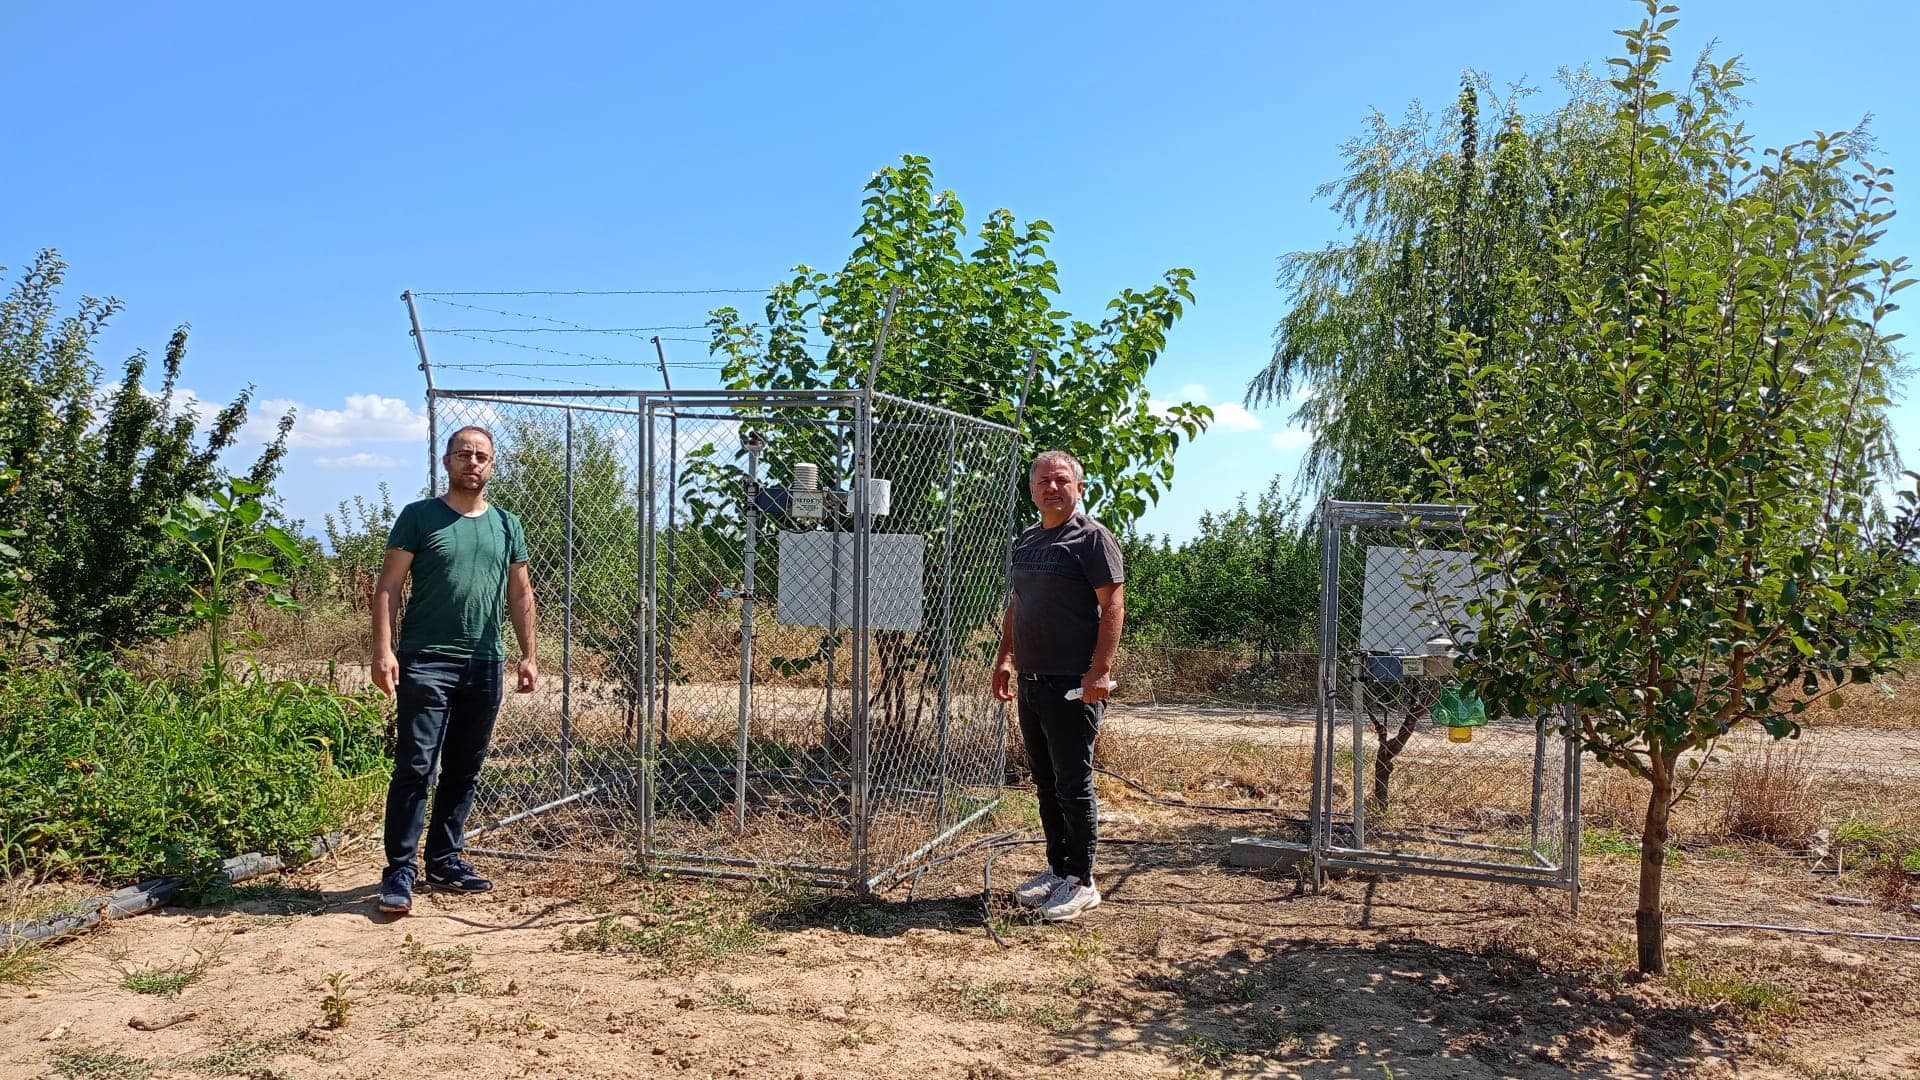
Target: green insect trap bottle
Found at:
x=1459, y=710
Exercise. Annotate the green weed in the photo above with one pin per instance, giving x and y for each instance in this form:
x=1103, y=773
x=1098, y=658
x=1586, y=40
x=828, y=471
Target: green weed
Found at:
x=1755, y=998
x=1244, y=989
x=115, y=776
x=700, y=930
x=1197, y=1048
x=98, y=1063
x=968, y=1000
x=281, y=899
x=336, y=1005
x=728, y=996
x=1048, y=1017
x=168, y=979
x=244, y=1055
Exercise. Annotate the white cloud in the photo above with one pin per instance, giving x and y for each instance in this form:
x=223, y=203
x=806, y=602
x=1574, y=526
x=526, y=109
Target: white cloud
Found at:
x=361, y=460
x=366, y=418
x=1193, y=391
x=1292, y=438
x=1233, y=416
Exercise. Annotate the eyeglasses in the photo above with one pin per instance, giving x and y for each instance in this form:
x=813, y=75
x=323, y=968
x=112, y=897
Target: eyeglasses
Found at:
x=478, y=457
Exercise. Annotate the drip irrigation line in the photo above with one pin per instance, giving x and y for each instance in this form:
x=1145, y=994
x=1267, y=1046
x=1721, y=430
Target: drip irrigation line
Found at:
x=1798, y=930
x=148, y=895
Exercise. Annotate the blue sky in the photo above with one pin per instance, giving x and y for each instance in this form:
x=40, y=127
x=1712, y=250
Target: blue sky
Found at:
x=275, y=175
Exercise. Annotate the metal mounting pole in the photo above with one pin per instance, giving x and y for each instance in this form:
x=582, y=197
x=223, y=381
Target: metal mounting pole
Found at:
x=754, y=443
x=861, y=807
x=566, y=634
x=648, y=628
x=1320, y=812
x=1013, y=509
x=946, y=636
x=664, y=644
x=433, y=424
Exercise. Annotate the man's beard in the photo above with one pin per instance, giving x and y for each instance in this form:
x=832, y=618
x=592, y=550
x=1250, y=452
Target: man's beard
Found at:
x=465, y=483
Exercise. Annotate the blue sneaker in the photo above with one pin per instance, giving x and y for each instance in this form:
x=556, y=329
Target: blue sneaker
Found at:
x=396, y=889
x=458, y=875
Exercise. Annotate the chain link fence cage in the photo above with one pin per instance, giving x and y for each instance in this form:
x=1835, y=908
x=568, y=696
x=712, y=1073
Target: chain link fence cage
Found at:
x=775, y=616
x=1410, y=775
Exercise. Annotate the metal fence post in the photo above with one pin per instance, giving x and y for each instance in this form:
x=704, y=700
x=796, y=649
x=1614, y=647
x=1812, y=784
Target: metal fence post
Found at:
x=862, y=802
x=946, y=635
x=566, y=630
x=426, y=367
x=1320, y=796
x=747, y=587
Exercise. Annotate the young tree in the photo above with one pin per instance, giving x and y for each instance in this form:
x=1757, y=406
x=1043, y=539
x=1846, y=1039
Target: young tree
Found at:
x=1675, y=508
x=96, y=469
x=966, y=328
x=357, y=537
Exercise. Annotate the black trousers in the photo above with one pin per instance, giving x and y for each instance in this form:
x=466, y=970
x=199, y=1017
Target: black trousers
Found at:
x=446, y=714
x=1059, y=737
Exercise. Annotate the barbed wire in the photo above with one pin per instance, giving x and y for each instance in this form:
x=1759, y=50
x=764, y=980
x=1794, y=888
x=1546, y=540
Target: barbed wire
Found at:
x=562, y=329
x=597, y=292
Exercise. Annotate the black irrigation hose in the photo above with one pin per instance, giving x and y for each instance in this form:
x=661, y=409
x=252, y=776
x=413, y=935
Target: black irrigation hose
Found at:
x=949, y=857
x=147, y=895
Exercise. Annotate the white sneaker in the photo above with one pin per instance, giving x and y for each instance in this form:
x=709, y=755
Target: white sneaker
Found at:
x=1068, y=900
x=1037, y=888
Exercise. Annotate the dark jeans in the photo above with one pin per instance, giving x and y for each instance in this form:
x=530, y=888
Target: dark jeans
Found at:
x=446, y=714
x=1059, y=736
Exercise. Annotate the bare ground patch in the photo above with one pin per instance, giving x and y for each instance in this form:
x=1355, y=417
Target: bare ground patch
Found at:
x=1190, y=968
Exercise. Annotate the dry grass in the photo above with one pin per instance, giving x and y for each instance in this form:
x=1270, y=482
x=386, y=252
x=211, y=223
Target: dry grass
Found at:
x=1891, y=705
x=1766, y=793
x=1161, y=673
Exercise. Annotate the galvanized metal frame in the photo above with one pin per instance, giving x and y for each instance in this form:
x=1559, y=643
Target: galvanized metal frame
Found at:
x=1326, y=822
x=641, y=784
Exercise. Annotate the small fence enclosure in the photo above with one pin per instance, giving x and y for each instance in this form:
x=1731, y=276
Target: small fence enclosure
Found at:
x=775, y=615
x=1410, y=775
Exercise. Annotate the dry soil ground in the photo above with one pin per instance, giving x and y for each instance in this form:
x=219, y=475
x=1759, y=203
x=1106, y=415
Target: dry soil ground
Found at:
x=1190, y=968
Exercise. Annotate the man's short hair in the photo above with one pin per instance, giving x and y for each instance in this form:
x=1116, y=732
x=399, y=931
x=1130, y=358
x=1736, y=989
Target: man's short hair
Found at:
x=463, y=431
x=1058, y=457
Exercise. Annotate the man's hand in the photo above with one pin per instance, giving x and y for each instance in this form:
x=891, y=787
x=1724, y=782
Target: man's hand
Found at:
x=1095, y=686
x=529, y=676
x=386, y=671
x=1003, y=682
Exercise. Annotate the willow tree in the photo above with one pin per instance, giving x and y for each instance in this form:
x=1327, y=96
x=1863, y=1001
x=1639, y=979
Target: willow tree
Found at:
x=1453, y=225
x=1675, y=505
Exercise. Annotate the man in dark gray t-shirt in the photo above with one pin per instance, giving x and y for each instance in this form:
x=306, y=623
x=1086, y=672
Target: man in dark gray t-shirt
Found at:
x=1064, y=615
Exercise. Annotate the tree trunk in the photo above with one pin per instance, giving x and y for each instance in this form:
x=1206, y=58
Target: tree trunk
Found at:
x=1386, y=752
x=1649, y=925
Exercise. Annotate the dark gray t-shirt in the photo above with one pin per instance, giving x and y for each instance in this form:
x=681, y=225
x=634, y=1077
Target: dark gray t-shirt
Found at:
x=1056, y=614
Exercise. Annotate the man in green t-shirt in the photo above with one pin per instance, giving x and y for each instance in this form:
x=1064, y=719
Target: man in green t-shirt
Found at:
x=468, y=561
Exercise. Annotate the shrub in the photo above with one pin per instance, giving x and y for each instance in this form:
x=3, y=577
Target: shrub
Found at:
x=116, y=776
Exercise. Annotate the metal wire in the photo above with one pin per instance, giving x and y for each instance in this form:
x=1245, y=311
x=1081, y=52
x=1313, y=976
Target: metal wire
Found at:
x=707, y=713
x=1394, y=789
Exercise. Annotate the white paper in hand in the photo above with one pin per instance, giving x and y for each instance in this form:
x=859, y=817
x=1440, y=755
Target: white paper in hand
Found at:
x=1077, y=693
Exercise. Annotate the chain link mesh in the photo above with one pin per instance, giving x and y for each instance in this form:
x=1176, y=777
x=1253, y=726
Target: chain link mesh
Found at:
x=710, y=711
x=1398, y=787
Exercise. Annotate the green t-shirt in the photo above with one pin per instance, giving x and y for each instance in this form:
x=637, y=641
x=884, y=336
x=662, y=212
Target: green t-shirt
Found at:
x=459, y=578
